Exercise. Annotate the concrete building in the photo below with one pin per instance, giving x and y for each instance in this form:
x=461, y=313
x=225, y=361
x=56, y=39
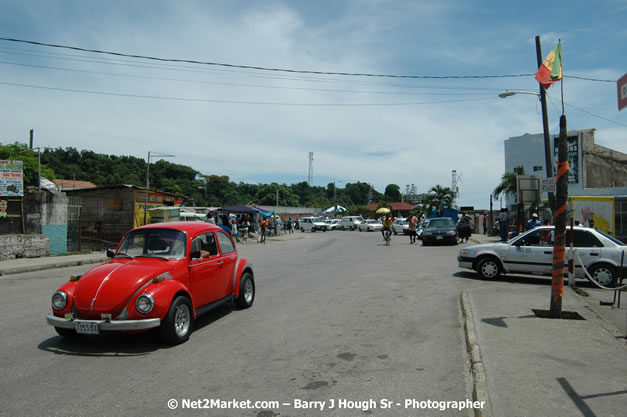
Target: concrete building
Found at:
x=595, y=171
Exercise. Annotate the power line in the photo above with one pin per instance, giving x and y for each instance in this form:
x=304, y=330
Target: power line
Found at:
x=71, y=90
x=253, y=67
x=230, y=84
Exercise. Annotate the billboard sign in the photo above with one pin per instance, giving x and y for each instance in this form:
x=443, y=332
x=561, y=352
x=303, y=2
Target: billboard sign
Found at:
x=11, y=179
x=573, y=158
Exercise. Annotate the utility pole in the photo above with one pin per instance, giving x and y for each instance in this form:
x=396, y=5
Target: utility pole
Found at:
x=561, y=206
x=548, y=160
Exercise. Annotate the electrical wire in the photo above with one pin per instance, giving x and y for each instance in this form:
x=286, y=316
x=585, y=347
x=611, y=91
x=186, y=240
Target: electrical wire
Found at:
x=254, y=67
x=241, y=102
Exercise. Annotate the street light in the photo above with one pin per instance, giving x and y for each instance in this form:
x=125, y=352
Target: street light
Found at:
x=154, y=155
x=545, y=127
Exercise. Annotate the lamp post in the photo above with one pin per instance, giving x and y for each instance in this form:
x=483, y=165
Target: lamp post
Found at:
x=154, y=155
x=335, y=195
x=545, y=128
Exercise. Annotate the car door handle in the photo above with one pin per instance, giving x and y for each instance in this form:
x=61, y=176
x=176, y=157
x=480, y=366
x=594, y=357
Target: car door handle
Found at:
x=594, y=254
x=548, y=252
x=220, y=263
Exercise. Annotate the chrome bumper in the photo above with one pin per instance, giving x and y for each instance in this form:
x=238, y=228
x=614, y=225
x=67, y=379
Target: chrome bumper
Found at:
x=112, y=325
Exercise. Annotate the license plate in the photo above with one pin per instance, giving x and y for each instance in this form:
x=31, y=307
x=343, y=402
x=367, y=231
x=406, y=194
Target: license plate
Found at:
x=86, y=327
x=439, y=237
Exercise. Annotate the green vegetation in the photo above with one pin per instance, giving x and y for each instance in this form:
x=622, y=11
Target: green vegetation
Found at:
x=200, y=190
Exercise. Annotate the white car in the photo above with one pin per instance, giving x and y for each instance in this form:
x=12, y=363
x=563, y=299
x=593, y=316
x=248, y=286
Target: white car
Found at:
x=532, y=253
x=311, y=224
x=398, y=225
x=332, y=223
x=349, y=222
x=369, y=225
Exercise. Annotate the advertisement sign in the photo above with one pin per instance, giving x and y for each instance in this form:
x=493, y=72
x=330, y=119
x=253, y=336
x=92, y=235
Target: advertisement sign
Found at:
x=573, y=158
x=11, y=179
x=547, y=185
x=145, y=201
x=622, y=92
x=597, y=212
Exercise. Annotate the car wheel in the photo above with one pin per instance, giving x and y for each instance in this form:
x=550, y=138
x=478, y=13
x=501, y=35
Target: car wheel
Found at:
x=246, y=291
x=604, y=274
x=178, y=323
x=66, y=332
x=489, y=268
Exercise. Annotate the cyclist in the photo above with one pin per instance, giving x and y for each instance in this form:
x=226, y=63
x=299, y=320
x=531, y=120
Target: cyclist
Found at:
x=387, y=225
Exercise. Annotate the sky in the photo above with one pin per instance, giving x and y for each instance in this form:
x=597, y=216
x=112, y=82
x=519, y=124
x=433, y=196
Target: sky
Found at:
x=259, y=125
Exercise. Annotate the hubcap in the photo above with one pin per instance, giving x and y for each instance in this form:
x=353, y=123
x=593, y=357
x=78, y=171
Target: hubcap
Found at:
x=181, y=320
x=603, y=276
x=248, y=291
x=489, y=269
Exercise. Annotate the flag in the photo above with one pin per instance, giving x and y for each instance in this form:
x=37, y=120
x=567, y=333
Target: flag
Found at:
x=551, y=69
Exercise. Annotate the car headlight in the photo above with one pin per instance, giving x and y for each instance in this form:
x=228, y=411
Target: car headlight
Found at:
x=464, y=252
x=59, y=300
x=145, y=303
x=450, y=233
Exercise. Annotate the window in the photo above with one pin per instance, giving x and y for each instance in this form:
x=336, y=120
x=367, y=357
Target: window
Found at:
x=583, y=239
x=206, y=244
x=226, y=244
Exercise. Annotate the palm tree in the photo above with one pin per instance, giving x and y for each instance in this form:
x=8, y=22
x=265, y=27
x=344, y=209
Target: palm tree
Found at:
x=507, y=186
x=438, y=198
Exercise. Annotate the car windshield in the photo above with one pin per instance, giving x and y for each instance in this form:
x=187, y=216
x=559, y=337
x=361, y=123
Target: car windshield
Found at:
x=443, y=222
x=154, y=243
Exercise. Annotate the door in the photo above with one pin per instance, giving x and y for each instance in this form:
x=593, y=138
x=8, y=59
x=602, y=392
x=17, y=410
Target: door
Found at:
x=206, y=271
x=228, y=259
x=529, y=258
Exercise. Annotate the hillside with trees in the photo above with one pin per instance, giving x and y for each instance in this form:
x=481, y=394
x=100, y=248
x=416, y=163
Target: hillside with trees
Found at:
x=182, y=180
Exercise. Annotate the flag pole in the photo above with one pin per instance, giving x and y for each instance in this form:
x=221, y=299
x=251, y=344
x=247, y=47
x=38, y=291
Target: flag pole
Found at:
x=562, y=80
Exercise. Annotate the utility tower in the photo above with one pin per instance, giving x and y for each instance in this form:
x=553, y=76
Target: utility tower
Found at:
x=454, y=187
x=310, y=177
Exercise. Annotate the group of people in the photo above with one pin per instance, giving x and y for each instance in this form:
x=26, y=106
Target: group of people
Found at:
x=412, y=222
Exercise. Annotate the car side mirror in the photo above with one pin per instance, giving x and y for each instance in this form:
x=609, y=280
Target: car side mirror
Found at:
x=110, y=253
x=195, y=255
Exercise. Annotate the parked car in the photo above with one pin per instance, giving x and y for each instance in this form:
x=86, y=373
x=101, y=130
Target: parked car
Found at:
x=369, y=225
x=332, y=224
x=161, y=275
x=312, y=224
x=398, y=225
x=529, y=254
x=349, y=222
x=439, y=230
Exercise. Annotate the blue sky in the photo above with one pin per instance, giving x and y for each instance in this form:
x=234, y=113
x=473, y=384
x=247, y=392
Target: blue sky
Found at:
x=259, y=126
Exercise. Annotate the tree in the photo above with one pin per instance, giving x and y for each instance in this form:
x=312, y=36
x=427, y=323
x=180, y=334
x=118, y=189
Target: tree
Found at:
x=438, y=198
x=507, y=186
x=393, y=192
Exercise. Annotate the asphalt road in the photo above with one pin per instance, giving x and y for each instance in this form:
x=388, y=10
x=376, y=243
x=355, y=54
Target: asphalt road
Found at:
x=337, y=316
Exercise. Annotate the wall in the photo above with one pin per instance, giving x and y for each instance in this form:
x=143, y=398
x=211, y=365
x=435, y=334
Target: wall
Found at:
x=23, y=246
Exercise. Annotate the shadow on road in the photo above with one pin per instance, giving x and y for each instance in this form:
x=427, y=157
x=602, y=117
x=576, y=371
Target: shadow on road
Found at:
x=521, y=279
x=114, y=344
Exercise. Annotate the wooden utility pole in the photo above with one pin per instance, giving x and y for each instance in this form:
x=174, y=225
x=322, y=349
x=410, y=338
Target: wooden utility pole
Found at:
x=561, y=207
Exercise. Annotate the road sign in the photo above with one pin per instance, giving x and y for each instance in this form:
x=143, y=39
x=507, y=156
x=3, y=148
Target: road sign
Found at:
x=547, y=185
x=622, y=92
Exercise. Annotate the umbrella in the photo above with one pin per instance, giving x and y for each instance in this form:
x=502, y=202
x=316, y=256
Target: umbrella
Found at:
x=383, y=210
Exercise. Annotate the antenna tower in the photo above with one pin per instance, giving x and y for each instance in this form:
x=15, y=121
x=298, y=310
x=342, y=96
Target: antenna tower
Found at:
x=310, y=177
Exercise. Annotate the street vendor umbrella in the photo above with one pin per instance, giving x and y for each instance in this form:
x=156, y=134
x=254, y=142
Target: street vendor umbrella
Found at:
x=383, y=210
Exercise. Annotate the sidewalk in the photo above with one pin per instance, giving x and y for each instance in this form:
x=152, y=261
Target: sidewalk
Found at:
x=524, y=365
x=18, y=266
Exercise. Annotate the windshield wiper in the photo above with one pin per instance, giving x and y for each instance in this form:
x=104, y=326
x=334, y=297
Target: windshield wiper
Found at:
x=153, y=257
x=122, y=254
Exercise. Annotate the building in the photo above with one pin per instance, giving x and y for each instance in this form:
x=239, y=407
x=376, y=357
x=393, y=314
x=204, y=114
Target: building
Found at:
x=597, y=175
x=108, y=212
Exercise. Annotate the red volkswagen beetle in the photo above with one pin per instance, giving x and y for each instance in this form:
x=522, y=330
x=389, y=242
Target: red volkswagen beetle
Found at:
x=161, y=275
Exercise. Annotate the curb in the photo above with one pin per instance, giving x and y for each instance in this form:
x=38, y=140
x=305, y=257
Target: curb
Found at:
x=42, y=267
x=477, y=372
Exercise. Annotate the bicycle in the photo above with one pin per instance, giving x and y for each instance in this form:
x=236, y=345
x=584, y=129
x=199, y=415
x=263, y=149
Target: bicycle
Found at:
x=387, y=236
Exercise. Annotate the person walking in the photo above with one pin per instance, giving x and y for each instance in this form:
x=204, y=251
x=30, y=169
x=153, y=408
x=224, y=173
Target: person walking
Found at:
x=412, y=221
x=244, y=229
x=234, y=232
x=485, y=224
x=503, y=224
x=262, y=231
